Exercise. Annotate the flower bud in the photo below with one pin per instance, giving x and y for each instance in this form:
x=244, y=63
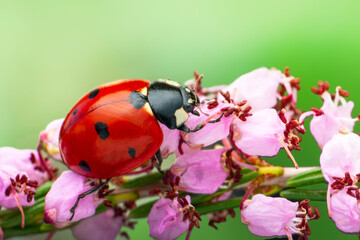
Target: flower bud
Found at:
x=49, y=138
x=62, y=197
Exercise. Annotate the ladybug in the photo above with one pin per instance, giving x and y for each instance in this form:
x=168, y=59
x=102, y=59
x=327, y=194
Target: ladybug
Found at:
x=114, y=128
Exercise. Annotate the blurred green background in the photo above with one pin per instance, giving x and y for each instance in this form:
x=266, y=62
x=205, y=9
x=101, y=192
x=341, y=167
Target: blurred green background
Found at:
x=52, y=52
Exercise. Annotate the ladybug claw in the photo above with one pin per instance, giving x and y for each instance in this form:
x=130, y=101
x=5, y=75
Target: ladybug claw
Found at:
x=196, y=113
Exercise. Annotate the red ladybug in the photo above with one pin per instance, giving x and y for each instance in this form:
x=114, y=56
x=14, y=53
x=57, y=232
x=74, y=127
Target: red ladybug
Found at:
x=114, y=128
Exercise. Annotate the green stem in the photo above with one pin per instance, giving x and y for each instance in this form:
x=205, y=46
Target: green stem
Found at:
x=301, y=194
x=143, y=180
x=311, y=177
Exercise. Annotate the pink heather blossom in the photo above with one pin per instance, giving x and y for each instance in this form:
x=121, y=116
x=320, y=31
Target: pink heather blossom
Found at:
x=201, y=171
x=170, y=142
x=166, y=219
x=345, y=212
x=340, y=155
x=334, y=119
x=8, y=201
x=260, y=133
x=49, y=138
x=102, y=226
x=24, y=160
x=212, y=132
x=258, y=88
x=62, y=196
x=268, y=216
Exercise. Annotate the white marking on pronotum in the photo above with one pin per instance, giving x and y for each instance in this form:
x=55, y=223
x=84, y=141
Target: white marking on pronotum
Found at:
x=171, y=83
x=181, y=116
x=148, y=108
x=144, y=91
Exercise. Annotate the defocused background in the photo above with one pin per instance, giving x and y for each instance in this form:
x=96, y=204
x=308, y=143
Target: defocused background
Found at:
x=52, y=52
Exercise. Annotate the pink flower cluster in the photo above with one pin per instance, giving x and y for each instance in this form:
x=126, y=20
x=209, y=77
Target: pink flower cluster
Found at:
x=255, y=116
x=332, y=127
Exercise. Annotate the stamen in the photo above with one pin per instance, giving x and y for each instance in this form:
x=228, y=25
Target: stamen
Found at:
x=202, y=111
x=288, y=234
x=288, y=153
x=328, y=200
x=20, y=207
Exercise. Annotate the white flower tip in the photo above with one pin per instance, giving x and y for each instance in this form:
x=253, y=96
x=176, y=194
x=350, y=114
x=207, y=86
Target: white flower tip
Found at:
x=50, y=216
x=344, y=130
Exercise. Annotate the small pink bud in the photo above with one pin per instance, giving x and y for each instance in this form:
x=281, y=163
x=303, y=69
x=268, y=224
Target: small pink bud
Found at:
x=49, y=138
x=62, y=196
x=166, y=219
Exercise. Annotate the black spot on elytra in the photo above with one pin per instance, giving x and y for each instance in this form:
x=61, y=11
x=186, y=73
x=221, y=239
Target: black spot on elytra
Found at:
x=74, y=112
x=102, y=130
x=132, y=152
x=84, y=166
x=93, y=93
x=137, y=99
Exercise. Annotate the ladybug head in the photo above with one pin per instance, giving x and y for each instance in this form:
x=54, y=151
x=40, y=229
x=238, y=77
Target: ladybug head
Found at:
x=190, y=100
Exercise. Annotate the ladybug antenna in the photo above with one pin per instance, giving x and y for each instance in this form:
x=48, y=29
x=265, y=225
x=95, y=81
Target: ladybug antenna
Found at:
x=198, y=77
x=198, y=106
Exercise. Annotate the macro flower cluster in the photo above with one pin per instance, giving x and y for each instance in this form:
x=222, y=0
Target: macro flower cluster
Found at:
x=255, y=116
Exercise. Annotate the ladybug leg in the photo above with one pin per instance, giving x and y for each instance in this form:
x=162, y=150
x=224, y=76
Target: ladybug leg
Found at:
x=84, y=194
x=202, y=124
x=158, y=161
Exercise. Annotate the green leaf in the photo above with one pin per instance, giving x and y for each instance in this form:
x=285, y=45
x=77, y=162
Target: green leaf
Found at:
x=218, y=206
x=32, y=215
x=142, y=211
x=306, y=178
x=301, y=194
x=142, y=181
x=43, y=189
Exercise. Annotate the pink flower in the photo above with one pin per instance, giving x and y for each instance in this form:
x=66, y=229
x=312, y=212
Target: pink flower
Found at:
x=260, y=133
x=201, y=171
x=49, y=138
x=166, y=219
x=62, y=196
x=267, y=216
x=331, y=118
x=24, y=160
x=212, y=132
x=103, y=226
x=15, y=188
x=258, y=88
x=340, y=155
x=345, y=212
